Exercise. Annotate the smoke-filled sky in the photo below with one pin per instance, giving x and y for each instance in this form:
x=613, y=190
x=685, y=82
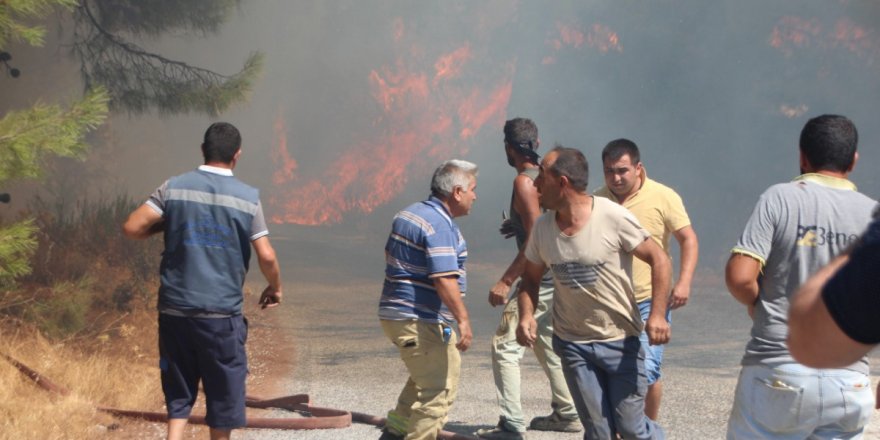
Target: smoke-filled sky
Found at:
x=359, y=101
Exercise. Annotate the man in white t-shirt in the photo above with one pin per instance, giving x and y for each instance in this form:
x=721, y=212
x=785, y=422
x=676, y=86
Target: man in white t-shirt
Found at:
x=588, y=244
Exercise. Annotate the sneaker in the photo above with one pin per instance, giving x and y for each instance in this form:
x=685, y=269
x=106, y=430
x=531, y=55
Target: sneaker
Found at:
x=499, y=433
x=554, y=422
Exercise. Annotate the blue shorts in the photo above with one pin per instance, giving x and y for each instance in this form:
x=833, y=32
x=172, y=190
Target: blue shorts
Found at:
x=210, y=350
x=653, y=353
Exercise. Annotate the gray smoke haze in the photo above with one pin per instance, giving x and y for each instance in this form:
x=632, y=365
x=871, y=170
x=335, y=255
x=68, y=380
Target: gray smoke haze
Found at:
x=714, y=93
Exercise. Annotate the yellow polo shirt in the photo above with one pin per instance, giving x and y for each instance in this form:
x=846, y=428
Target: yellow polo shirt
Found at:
x=660, y=211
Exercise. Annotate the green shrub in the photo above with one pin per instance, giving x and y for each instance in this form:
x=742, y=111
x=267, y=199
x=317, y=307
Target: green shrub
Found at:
x=63, y=311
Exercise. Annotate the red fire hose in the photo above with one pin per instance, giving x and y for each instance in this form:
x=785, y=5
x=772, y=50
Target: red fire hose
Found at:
x=317, y=417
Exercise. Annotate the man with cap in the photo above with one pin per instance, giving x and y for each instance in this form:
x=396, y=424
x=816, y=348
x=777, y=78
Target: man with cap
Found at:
x=520, y=145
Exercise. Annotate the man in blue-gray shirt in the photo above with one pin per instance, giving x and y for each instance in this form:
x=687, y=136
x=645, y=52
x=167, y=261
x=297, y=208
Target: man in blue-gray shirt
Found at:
x=795, y=229
x=209, y=220
x=425, y=279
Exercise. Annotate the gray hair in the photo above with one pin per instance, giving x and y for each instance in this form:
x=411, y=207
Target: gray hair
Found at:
x=452, y=173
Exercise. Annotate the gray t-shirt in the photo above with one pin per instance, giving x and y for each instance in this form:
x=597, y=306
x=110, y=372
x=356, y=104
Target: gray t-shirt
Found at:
x=795, y=229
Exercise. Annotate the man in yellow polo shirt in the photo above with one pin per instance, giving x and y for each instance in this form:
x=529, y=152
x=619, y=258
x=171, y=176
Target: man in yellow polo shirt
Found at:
x=660, y=210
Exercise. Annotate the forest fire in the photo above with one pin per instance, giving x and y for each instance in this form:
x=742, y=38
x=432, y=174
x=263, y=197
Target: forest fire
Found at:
x=425, y=116
x=432, y=97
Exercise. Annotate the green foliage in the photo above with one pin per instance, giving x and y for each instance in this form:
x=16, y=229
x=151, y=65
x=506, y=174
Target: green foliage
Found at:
x=62, y=310
x=75, y=238
x=14, y=12
x=84, y=270
x=138, y=80
x=154, y=17
x=17, y=244
x=27, y=136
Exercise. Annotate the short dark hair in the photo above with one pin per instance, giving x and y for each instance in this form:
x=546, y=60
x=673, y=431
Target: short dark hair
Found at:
x=572, y=164
x=222, y=141
x=829, y=142
x=618, y=147
x=522, y=135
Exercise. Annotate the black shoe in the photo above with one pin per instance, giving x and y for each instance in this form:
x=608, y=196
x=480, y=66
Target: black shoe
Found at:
x=388, y=435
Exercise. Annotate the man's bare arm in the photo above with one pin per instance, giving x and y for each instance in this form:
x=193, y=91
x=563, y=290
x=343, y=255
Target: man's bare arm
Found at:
x=656, y=327
x=689, y=249
x=270, y=268
x=527, y=330
x=814, y=338
x=741, y=276
x=450, y=294
x=142, y=223
x=525, y=201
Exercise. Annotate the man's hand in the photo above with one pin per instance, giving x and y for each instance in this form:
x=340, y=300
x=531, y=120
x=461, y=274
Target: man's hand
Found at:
x=680, y=294
x=270, y=297
x=498, y=293
x=658, y=330
x=527, y=332
x=464, y=341
x=508, y=228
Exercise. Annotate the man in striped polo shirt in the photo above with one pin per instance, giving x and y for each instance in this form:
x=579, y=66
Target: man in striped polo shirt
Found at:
x=209, y=220
x=421, y=300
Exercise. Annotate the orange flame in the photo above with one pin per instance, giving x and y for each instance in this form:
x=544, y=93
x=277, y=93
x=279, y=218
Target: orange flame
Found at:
x=599, y=37
x=604, y=39
x=792, y=33
x=280, y=155
x=420, y=123
x=854, y=38
x=449, y=66
x=793, y=111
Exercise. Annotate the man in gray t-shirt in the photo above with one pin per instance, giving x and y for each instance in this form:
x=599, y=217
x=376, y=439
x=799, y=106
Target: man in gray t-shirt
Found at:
x=795, y=229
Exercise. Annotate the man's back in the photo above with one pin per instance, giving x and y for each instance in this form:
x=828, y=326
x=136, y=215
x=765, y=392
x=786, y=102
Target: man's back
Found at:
x=797, y=228
x=209, y=224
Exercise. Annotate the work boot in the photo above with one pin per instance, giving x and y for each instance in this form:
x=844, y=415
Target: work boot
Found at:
x=555, y=422
x=499, y=432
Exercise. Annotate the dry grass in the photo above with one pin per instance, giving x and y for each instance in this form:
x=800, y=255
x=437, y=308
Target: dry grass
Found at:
x=116, y=368
x=106, y=373
x=85, y=318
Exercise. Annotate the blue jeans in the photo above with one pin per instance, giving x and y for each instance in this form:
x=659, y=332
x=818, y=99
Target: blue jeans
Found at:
x=607, y=382
x=792, y=401
x=653, y=353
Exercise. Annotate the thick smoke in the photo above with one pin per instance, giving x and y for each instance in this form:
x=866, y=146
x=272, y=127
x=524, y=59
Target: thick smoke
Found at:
x=715, y=94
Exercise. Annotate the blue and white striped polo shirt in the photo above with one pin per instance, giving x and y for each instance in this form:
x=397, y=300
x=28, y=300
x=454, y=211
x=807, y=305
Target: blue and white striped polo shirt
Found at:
x=424, y=244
